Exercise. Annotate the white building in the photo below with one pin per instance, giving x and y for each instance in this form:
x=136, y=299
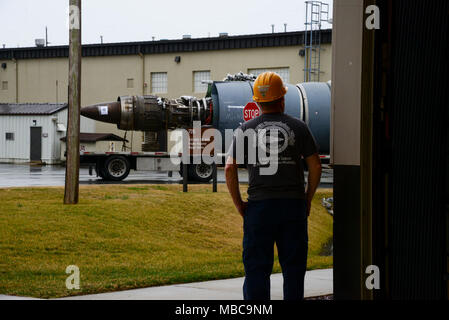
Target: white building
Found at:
x=32, y=131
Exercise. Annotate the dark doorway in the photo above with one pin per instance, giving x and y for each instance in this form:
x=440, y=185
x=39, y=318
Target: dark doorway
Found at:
x=35, y=143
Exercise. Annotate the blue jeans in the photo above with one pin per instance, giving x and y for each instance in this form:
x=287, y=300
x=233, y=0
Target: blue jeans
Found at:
x=266, y=222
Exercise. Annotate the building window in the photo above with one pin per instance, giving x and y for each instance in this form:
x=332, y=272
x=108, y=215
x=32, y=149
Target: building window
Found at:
x=4, y=85
x=130, y=83
x=198, y=78
x=159, y=82
x=283, y=72
x=10, y=136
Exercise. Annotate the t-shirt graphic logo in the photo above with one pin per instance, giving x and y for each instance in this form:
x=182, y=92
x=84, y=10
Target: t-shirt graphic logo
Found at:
x=273, y=141
x=275, y=137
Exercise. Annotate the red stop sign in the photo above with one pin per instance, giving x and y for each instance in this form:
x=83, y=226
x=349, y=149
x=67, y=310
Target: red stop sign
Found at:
x=250, y=111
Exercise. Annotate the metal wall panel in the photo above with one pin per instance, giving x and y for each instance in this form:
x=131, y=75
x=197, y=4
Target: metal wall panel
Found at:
x=417, y=100
x=19, y=149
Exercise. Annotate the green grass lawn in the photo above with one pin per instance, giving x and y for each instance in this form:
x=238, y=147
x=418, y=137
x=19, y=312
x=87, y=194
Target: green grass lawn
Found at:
x=124, y=237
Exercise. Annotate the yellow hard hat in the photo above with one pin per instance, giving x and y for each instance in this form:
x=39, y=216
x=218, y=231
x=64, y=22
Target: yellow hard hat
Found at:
x=268, y=87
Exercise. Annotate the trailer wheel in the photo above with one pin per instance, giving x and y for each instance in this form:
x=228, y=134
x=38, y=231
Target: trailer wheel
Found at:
x=116, y=168
x=201, y=172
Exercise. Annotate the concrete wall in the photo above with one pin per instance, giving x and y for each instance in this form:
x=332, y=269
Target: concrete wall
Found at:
x=37, y=80
x=8, y=75
x=105, y=78
x=222, y=62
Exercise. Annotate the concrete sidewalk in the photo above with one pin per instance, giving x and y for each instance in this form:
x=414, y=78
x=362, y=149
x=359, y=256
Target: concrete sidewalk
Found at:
x=6, y=297
x=317, y=283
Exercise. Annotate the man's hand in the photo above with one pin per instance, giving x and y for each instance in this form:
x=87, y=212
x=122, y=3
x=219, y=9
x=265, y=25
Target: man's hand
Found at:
x=242, y=208
x=309, y=205
x=313, y=180
x=232, y=181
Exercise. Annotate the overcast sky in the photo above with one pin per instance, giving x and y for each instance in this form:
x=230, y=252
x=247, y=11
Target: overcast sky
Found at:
x=22, y=21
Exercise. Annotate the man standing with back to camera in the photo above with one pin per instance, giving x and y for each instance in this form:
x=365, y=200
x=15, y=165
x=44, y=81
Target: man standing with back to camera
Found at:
x=278, y=204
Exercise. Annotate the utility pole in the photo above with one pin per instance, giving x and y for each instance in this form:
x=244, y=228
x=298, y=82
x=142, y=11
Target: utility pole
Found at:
x=272, y=28
x=73, y=122
x=101, y=39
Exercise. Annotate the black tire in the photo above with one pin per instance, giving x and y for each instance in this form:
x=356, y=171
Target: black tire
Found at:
x=200, y=172
x=116, y=168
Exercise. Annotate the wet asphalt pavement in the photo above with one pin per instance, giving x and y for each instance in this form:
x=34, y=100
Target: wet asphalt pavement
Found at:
x=25, y=175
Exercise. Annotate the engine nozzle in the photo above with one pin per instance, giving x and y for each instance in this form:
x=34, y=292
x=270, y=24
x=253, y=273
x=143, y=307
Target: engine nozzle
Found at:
x=151, y=113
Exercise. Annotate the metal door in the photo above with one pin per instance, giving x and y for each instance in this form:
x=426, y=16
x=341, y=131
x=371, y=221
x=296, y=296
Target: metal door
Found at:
x=35, y=143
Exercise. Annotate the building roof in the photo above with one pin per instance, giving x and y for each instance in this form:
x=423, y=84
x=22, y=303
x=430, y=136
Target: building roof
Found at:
x=24, y=109
x=94, y=137
x=168, y=46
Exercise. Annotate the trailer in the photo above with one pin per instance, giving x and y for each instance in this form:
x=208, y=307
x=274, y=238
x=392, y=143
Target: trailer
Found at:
x=115, y=166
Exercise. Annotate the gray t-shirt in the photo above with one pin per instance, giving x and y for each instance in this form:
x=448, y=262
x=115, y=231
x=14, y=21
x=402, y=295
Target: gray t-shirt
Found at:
x=286, y=139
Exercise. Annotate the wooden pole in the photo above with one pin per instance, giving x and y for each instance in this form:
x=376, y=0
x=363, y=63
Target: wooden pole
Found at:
x=184, y=178
x=73, y=122
x=214, y=178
